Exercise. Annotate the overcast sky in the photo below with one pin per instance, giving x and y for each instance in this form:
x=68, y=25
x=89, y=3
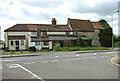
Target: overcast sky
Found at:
x=42, y=11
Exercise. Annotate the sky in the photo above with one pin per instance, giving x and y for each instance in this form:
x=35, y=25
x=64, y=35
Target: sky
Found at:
x=42, y=11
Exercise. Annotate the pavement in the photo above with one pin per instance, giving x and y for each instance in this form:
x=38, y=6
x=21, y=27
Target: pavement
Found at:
x=114, y=60
x=45, y=53
x=61, y=65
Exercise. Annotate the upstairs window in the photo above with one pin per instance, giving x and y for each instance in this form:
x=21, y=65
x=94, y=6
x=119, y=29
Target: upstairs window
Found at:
x=33, y=33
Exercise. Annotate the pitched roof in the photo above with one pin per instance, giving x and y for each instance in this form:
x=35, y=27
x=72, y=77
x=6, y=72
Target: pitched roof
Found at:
x=42, y=27
x=96, y=25
x=80, y=25
x=22, y=27
x=49, y=27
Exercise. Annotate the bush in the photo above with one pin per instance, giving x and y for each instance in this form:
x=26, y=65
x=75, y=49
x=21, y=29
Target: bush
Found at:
x=84, y=42
x=32, y=49
x=117, y=44
x=6, y=49
x=56, y=47
x=105, y=37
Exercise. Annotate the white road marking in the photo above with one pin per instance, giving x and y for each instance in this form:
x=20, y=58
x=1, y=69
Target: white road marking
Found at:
x=56, y=56
x=30, y=63
x=11, y=60
x=85, y=58
x=54, y=60
x=25, y=69
x=94, y=53
x=74, y=59
x=93, y=57
x=77, y=58
x=7, y=60
x=67, y=59
x=0, y=66
x=77, y=55
x=45, y=61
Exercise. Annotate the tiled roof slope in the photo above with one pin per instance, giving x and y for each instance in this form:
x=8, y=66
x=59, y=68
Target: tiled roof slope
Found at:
x=96, y=25
x=80, y=25
x=42, y=27
x=49, y=27
x=23, y=27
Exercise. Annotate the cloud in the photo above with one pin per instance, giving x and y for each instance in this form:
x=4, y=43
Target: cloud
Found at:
x=102, y=9
x=43, y=4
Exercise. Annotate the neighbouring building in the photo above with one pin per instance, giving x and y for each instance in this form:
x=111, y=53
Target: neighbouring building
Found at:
x=45, y=36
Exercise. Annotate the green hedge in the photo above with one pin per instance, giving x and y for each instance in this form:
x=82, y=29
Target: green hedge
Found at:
x=77, y=48
x=56, y=47
x=105, y=37
x=117, y=44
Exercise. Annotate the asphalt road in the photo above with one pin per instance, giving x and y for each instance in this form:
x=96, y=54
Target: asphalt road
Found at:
x=62, y=65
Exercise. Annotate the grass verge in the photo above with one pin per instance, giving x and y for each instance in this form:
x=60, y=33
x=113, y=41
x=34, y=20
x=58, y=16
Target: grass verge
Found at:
x=83, y=48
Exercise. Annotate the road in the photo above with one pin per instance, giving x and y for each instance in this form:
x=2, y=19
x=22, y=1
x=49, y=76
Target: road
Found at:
x=62, y=65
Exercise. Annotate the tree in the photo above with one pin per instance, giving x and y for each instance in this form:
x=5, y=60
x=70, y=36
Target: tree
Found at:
x=104, y=24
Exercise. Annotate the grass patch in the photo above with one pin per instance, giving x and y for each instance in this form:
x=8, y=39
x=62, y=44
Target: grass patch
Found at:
x=13, y=53
x=82, y=48
x=44, y=50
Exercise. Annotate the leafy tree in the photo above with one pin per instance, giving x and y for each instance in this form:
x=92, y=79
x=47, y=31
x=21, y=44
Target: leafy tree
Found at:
x=105, y=37
x=104, y=24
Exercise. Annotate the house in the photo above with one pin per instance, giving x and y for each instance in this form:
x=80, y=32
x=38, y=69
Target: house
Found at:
x=23, y=36
x=45, y=36
x=85, y=28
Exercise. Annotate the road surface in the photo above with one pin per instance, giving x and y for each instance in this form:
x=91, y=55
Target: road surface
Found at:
x=62, y=65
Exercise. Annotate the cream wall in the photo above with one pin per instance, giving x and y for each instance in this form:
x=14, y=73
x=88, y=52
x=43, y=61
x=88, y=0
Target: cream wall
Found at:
x=94, y=36
x=13, y=47
x=50, y=44
x=17, y=33
x=56, y=33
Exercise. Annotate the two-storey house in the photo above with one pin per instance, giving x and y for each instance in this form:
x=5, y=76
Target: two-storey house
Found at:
x=45, y=36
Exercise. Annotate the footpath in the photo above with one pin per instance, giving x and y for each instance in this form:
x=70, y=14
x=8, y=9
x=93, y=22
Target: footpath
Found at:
x=45, y=53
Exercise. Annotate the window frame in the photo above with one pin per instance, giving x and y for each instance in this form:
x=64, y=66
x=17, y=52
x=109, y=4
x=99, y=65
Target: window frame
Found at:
x=11, y=43
x=33, y=33
x=37, y=43
x=46, y=42
x=22, y=42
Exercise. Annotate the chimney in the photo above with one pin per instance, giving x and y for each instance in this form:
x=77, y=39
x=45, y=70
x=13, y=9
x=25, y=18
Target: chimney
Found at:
x=54, y=22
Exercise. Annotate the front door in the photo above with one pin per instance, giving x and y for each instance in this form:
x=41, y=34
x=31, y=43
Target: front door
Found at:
x=17, y=45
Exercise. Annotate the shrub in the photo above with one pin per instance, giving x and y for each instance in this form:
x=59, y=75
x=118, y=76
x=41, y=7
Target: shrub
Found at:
x=32, y=49
x=117, y=44
x=6, y=49
x=105, y=37
x=84, y=42
x=56, y=47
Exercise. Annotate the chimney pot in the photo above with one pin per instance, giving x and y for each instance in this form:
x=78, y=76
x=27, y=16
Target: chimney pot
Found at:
x=54, y=22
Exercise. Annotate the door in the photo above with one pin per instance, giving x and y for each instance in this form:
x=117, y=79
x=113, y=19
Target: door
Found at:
x=61, y=43
x=17, y=45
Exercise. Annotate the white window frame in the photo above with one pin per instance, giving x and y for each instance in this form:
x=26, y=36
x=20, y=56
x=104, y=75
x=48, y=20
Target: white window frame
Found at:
x=37, y=43
x=33, y=33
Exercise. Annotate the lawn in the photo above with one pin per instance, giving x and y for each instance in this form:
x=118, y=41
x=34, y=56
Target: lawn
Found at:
x=13, y=53
x=83, y=48
x=61, y=49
